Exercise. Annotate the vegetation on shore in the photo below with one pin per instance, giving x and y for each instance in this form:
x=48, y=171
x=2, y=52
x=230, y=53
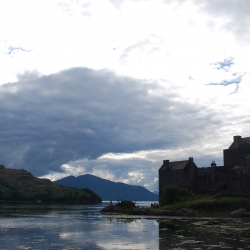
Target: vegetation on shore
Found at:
x=175, y=198
x=182, y=202
x=20, y=185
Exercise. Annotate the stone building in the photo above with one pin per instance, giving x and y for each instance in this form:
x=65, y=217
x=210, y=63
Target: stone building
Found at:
x=238, y=154
x=179, y=173
x=233, y=177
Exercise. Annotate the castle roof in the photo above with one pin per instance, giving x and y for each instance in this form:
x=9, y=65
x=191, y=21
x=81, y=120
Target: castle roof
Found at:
x=175, y=165
x=240, y=141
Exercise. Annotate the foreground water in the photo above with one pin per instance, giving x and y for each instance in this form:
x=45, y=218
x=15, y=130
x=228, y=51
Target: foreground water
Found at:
x=38, y=226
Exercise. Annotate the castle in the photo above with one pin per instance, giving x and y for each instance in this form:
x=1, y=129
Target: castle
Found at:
x=233, y=177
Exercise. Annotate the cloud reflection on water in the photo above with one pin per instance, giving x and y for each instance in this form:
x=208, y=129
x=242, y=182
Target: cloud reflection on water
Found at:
x=117, y=234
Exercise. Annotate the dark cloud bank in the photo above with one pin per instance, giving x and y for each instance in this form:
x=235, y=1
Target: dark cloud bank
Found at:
x=47, y=121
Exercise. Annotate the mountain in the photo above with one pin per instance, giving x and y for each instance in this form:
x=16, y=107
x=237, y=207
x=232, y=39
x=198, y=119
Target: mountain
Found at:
x=20, y=185
x=109, y=190
x=155, y=192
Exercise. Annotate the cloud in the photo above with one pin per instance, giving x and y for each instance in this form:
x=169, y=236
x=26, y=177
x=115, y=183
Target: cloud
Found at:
x=232, y=15
x=75, y=7
x=75, y=121
x=117, y=3
x=48, y=121
x=141, y=49
x=140, y=168
x=235, y=14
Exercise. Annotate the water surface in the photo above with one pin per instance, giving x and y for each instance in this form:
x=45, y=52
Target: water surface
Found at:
x=38, y=226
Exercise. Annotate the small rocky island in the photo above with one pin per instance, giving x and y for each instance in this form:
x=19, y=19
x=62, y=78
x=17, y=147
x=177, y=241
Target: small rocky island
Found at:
x=130, y=208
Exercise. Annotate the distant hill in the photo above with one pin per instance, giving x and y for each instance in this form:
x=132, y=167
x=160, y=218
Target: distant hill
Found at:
x=109, y=190
x=20, y=185
x=155, y=192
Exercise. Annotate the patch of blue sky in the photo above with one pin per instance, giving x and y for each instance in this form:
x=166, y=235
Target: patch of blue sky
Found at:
x=9, y=50
x=226, y=64
x=235, y=81
x=15, y=49
x=228, y=82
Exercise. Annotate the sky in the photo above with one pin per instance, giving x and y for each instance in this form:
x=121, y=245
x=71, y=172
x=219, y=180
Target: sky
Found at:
x=114, y=87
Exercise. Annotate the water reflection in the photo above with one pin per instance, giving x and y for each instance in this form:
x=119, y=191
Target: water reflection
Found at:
x=204, y=234
x=24, y=226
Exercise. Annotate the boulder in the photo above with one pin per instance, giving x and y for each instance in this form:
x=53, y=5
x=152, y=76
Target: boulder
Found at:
x=186, y=212
x=238, y=212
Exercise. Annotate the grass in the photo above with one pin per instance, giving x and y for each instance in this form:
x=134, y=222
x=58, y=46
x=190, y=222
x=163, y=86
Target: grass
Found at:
x=211, y=204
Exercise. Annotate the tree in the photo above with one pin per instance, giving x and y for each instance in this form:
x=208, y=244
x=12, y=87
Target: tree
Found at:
x=173, y=194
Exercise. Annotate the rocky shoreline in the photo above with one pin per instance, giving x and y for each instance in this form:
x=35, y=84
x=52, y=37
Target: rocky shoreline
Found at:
x=186, y=212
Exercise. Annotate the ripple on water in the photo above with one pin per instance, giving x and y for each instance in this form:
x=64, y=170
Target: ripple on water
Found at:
x=24, y=247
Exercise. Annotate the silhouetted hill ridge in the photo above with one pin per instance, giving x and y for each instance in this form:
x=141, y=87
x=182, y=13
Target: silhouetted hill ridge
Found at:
x=20, y=185
x=109, y=190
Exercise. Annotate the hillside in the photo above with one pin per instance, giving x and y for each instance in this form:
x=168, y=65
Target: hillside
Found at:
x=109, y=190
x=20, y=185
